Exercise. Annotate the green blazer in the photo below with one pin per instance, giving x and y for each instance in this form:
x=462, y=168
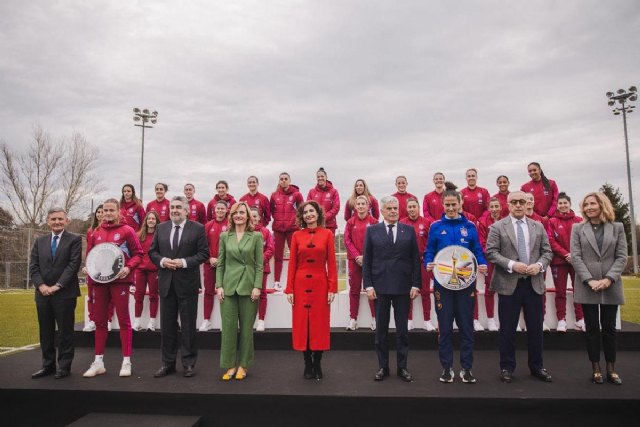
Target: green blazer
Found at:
x=239, y=268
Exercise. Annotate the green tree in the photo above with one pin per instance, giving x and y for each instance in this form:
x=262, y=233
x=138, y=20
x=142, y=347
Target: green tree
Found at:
x=620, y=208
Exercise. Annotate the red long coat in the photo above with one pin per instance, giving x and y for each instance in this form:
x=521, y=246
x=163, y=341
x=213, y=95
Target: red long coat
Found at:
x=312, y=275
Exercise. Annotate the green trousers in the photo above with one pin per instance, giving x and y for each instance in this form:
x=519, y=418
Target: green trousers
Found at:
x=234, y=310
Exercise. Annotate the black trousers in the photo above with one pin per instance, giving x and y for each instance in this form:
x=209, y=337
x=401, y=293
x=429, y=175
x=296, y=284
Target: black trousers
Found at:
x=171, y=307
x=61, y=312
x=383, y=314
x=598, y=316
x=509, y=313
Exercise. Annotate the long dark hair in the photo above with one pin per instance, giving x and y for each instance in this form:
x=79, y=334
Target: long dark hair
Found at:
x=543, y=178
x=95, y=223
x=137, y=201
x=144, y=229
x=300, y=213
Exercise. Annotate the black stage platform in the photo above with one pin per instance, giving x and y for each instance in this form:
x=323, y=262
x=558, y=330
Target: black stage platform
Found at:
x=275, y=393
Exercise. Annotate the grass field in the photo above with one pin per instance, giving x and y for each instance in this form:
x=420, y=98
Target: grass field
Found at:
x=19, y=324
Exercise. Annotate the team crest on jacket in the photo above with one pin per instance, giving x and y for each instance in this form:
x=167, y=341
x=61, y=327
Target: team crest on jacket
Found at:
x=290, y=198
x=464, y=232
x=444, y=232
x=421, y=226
x=328, y=196
x=116, y=236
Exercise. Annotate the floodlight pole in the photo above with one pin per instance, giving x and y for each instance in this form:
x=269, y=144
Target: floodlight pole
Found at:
x=145, y=117
x=634, y=242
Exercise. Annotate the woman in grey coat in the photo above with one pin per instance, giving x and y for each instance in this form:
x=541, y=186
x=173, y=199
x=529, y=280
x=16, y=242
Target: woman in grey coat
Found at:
x=599, y=255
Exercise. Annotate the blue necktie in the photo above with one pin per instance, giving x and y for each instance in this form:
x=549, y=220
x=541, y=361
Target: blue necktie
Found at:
x=522, y=245
x=390, y=234
x=54, y=245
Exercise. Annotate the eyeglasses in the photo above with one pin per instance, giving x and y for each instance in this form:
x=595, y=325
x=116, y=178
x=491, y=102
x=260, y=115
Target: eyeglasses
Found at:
x=520, y=202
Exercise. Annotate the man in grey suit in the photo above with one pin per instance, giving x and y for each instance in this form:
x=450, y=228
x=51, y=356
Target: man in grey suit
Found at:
x=178, y=248
x=53, y=267
x=520, y=251
x=391, y=276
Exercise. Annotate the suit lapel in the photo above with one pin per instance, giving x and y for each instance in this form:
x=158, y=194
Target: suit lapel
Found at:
x=508, y=228
x=608, y=237
x=591, y=238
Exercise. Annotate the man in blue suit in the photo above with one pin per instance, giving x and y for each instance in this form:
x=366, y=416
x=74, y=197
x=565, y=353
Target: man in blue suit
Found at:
x=391, y=275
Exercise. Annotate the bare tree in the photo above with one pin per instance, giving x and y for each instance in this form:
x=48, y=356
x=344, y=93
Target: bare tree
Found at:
x=28, y=180
x=78, y=177
x=49, y=173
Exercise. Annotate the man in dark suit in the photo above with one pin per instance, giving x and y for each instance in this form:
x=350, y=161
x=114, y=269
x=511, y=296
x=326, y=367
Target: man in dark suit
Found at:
x=178, y=248
x=520, y=251
x=391, y=275
x=53, y=267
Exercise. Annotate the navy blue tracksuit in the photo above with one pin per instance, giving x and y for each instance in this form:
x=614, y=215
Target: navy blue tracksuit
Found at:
x=454, y=305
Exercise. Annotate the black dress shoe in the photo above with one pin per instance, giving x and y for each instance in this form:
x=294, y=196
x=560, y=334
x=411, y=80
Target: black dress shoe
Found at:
x=188, y=372
x=61, y=373
x=43, y=373
x=382, y=372
x=506, y=376
x=405, y=375
x=542, y=375
x=164, y=371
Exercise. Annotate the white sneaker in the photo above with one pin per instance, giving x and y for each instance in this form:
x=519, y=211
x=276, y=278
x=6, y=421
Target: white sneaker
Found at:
x=492, y=325
x=152, y=325
x=109, y=326
x=562, y=326
x=518, y=328
x=410, y=325
x=91, y=326
x=125, y=370
x=260, y=326
x=205, y=326
x=353, y=325
x=579, y=325
x=373, y=324
x=455, y=326
x=136, y=324
x=96, y=368
x=428, y=326
x=477, y=326
x=546, y=327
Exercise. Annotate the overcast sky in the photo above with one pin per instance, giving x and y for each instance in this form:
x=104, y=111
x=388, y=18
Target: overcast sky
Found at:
x=369, y=89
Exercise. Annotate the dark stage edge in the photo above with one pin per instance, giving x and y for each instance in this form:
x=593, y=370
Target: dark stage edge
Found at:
x=102, y=419
x=275, y=393
x=363, y=339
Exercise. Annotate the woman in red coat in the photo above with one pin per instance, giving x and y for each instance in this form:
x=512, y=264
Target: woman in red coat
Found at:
x=146, y=273
x=559, y=231
x=131, y=210
x=312, y=283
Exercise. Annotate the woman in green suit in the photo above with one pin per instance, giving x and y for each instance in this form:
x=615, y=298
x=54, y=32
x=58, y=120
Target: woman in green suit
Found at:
x=239, y=281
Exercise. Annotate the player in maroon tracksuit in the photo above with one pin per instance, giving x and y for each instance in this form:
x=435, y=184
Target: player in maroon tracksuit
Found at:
x=325, y=194
x=544, y=190
x=503, y=192
x=257, y=200
x=161, y=203
x=432, y=202
x=475, y=200
x=91, y=325
x=531, y=214
x=146, y=273
x=268, y=246
x=421, y=226
x=284, y=205
x=492, y=215
x=116, y=291
x=213, y=229
x=222, y=187
x=402, y=195
x=197, y=211
x=360, y=188
x=131, y=210
x=559, y=232
x=354, y=233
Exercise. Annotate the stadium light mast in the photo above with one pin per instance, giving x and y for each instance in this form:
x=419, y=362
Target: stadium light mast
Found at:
x=624, y=98
x=145, y=117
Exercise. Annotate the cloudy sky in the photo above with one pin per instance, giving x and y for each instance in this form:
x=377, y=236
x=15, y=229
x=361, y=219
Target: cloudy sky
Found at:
x=369, y=89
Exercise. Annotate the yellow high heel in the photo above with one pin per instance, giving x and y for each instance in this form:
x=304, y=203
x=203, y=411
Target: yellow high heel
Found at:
x=241, y=373
x=229, y=374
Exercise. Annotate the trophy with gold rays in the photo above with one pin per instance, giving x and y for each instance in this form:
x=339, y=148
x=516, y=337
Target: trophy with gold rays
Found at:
x=455, y=267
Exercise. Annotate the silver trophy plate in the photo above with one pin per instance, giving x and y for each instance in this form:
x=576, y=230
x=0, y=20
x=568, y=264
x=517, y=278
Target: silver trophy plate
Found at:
x=104, y=262
x=455, y=267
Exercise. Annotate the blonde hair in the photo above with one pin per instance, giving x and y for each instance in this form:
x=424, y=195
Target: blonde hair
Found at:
x=233, y=210
x=607, y=213
x=352, y=200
